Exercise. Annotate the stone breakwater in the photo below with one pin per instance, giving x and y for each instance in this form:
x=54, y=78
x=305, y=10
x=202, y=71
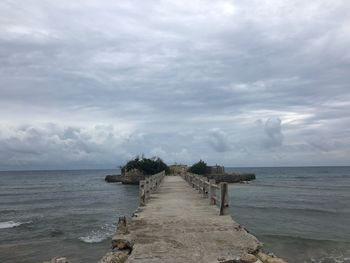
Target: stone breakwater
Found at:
x=123, y=179
x=228, y=178
x=232, y=177
x=133, y=176
x=179, y=225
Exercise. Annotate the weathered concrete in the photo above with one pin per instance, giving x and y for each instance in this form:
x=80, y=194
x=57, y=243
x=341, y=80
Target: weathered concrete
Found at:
x=179, y=225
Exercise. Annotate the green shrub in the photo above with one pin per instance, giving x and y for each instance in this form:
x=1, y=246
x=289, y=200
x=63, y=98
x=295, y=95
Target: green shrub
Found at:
x=198, y=168
x=147, y=166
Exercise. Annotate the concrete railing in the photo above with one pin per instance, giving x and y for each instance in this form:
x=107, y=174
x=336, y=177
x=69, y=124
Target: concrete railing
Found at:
x=209, y=189
x=149, y=186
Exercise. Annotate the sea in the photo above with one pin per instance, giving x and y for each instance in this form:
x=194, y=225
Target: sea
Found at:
x=299, y=213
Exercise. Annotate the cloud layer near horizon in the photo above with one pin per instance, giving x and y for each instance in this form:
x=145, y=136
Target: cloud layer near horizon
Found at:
x=89, y=84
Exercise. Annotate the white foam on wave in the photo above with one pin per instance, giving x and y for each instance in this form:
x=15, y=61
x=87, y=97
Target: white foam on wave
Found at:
x=332, y=258
x=11, y=224
x=97, y=236
x=92, y=239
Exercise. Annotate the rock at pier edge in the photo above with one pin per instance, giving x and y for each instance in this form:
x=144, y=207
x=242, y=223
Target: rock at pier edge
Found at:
x=57, y=260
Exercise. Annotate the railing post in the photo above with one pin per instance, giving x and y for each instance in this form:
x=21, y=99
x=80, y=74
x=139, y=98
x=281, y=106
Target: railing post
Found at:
x=157, y=182
x=151, y=184
x=212, y=192
x=199, y=184
x=147, y=188
x=224, y=207
x=205, y=187
x=142, y=193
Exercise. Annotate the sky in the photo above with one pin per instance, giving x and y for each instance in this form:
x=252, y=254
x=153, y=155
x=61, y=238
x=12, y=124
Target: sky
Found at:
x=91, y=84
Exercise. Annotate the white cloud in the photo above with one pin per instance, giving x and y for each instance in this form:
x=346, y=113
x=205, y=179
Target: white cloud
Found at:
x=185, y=80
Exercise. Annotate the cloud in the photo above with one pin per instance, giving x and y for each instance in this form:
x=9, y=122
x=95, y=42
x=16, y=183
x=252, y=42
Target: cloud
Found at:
x=218, y=140
x=55, y=146
x=184, y=80
x=273, y=131
x=325, y=145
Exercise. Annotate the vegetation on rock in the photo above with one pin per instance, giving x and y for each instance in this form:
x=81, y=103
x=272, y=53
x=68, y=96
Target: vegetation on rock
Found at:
x=146, y=165
x=198, y=168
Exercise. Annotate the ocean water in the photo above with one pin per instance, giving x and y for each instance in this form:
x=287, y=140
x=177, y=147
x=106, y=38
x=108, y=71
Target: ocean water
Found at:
x=60, y=213
x=301, y=214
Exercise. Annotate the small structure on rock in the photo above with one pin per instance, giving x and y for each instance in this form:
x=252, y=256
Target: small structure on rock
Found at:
x=178, y=169
x=216, y=169
x=218, y=173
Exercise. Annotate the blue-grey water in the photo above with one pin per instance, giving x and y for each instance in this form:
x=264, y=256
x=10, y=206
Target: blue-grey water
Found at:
x=302, y=214
x=60, y=213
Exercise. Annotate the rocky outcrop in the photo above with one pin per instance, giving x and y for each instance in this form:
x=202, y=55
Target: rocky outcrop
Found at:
x=122, y=245
x=267, y=258
x=248, y=258
x=113, y=178
x=133, y=176
x=231, y=178
x=114, y=257
x=57, y=260
x=256, y=257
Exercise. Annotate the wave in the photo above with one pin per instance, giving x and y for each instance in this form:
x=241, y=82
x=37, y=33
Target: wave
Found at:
x=97, y=236
x=310, y=250
x=304, y=240
x=319, y=187
x=12, y=224
x=92, y=239
x=292, y=209
x=330, y=259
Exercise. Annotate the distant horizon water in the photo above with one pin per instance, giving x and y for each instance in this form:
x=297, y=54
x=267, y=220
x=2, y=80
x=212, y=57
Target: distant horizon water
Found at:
x=299, y=213
x=118, y=169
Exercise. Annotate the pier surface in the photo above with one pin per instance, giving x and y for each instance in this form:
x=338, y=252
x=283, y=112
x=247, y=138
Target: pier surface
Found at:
x=179, y=225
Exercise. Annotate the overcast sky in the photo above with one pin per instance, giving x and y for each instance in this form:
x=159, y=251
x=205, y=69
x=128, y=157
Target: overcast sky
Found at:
x=90, y=84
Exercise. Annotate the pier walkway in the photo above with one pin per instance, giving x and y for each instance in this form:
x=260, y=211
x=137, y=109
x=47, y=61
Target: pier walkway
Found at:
x=179, y=225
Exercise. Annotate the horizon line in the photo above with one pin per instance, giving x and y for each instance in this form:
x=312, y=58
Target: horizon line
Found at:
x=117, y=168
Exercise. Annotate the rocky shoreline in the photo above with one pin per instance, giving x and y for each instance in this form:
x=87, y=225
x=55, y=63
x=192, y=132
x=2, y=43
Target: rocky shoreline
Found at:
x=232, y=177
x=228, y=178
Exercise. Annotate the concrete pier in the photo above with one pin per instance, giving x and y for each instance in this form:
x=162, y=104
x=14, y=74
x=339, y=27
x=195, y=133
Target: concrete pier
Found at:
x=179, y=225
x=179, y=220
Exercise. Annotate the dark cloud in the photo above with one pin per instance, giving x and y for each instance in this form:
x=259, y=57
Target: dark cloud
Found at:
x=218, y=140
x=273, y=130
x=184, y=80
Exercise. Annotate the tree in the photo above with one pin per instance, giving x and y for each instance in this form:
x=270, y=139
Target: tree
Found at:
x=147, y=165
x=198, y=168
